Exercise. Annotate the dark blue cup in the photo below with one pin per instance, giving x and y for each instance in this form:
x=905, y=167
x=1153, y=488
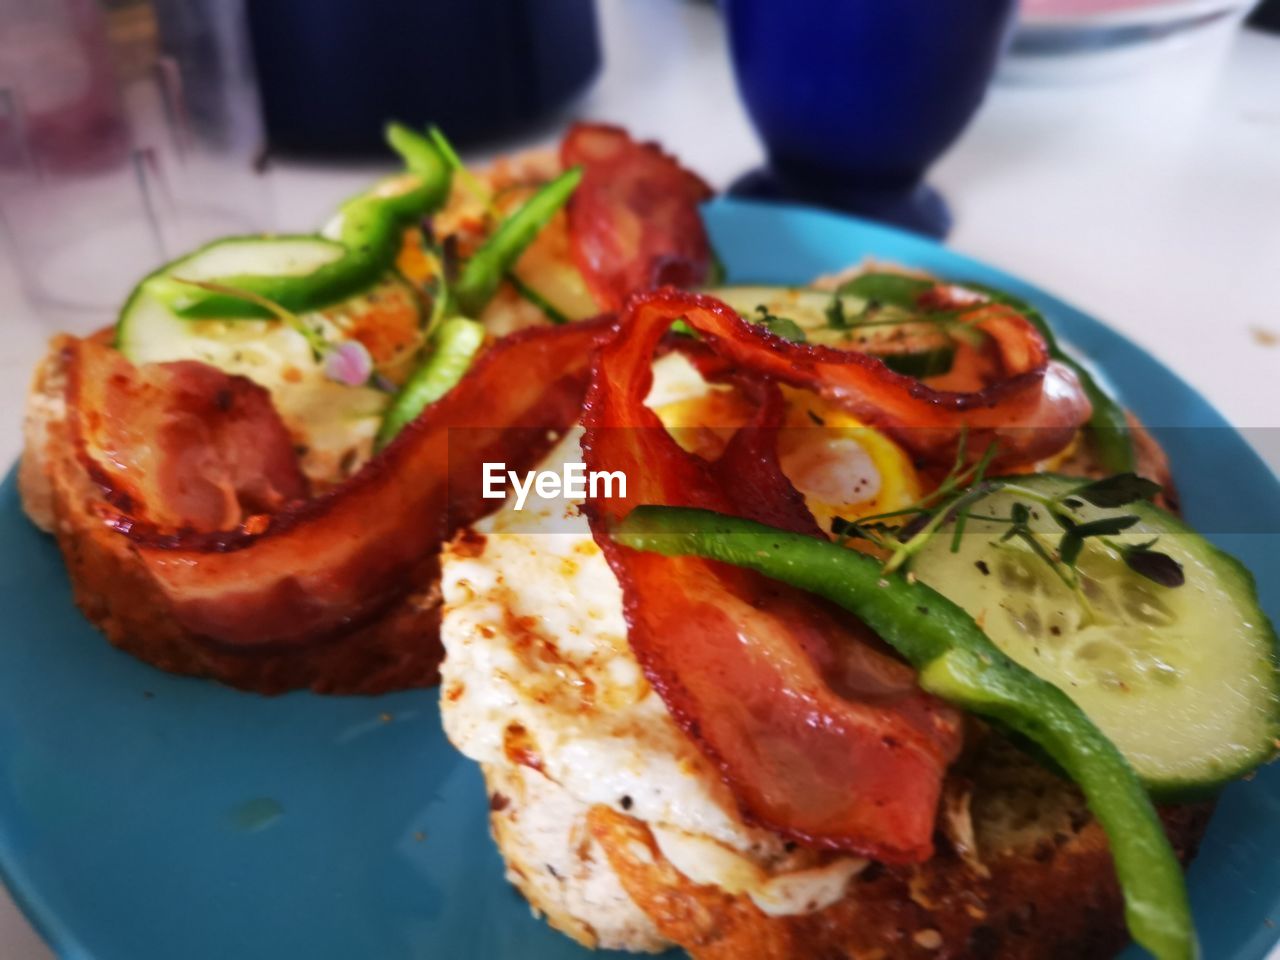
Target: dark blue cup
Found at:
x=332, y=72
x=854, y=99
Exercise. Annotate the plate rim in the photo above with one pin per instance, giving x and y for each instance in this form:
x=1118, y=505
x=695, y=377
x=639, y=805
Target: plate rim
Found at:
x=65, y=943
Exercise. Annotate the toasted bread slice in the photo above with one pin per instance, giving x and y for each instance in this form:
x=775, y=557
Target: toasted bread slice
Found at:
x=113, y=589
x=1022, y=872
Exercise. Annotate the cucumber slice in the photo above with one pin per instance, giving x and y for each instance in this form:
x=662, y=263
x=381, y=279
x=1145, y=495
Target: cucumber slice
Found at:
x=278, y=259
x=267, y=256
x=1182, y=679
x=914, y=349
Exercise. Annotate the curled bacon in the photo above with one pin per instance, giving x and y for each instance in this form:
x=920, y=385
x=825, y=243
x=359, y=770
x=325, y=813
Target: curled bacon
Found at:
x=633, y=221
x=748, y=469
x=324, y=567
x=820, y=734
x=1034, y=410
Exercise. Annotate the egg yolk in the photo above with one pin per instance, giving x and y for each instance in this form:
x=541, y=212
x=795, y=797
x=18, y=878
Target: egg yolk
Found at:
x=843, y=467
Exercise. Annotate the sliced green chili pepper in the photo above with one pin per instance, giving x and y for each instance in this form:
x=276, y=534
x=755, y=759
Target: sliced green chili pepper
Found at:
x=485, y=270
x=453, y=347
x=957, y=662
x=1108, y=424
x=370, y=229
x=465, y=176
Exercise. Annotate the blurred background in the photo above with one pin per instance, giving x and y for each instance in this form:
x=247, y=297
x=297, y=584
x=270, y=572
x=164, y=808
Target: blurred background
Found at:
x=1124, y=154
x=133, y=130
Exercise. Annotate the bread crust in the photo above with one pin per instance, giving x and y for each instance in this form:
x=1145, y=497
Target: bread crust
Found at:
x=1027, y=876
x=113, y=589
x=1059, y=901
x=1040, y=884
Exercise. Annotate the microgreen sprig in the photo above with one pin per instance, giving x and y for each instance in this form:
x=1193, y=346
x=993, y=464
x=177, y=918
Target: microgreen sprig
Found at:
x=960, y=491
x=889, y=536
x=1110, y=492
x=963, y=489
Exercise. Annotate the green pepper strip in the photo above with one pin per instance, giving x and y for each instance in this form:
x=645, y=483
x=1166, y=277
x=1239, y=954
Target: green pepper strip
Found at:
x=1108, y=424
x=453, y=347
x=957, y=662
x=485, y=270
x=370, y=230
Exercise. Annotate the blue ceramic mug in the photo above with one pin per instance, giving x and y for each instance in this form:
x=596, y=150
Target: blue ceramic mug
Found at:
x=854, y=99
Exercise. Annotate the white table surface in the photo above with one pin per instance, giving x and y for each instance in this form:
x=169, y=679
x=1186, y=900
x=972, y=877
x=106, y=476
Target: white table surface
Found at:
x=1152, y=201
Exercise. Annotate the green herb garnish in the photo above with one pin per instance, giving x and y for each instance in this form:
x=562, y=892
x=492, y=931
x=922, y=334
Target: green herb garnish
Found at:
x=783, y=327
x=952, y=502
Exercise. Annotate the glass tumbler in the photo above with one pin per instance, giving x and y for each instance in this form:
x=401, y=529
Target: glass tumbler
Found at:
x=130, y=133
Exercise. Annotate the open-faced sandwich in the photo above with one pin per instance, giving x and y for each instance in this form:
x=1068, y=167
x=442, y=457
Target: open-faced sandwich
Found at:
x=238, y=473
x=889, y=647
x=870, y=629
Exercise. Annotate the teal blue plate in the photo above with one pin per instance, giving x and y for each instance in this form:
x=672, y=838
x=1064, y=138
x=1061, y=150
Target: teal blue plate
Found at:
x=147, y=817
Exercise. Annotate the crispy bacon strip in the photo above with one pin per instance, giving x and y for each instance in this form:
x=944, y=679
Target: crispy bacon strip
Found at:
x=180, y=445
x=324, y=567
x=820, y=734
x=1033, y=411
x=748, y=470
x=633, y=221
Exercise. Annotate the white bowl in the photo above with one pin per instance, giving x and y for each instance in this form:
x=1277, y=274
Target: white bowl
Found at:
x=1072, y=40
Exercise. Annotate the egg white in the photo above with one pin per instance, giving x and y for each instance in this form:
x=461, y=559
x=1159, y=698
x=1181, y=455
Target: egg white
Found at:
x=536, y=643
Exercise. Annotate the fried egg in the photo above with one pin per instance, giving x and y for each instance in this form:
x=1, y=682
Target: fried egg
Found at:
x=538, y=672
